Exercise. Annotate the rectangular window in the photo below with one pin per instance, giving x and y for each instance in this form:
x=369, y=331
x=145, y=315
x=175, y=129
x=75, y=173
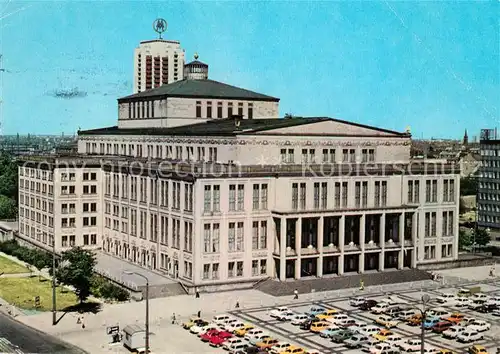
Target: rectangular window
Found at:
x=324, y=195
x=240, y=237
x=240, y=109
x=255, y=197
x=357, y=194
x=250, y=111
x=316, y=195
x=198, y=109
x=229, y=109
x=451, y=197
x=219, y=109
x=344, y=194
x=384, y=193
x=377, y=193
x=434, y=191
x=232, y=237
x=364, y=195
x=232, y=197
x=427, y=191
x=337, y=194
x=295, y=196
x=209, y=109
x=302, y=196
x=241, y=197
x=445, y=190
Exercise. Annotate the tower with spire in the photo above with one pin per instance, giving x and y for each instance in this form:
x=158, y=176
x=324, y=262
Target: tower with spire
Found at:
x=466, y=138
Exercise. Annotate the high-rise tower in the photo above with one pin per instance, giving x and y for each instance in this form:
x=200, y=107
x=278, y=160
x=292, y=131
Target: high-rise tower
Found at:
x=157, y=62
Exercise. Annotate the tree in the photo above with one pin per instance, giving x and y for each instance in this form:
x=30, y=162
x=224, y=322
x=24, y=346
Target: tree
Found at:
x=482, y=237
x=464, y=239
x=76, y=270
x=8, y=208
x=8, y=176
x=40, y=262
x=468, y=186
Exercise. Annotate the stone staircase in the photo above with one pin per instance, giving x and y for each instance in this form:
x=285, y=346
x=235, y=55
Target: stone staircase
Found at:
x=278, y=288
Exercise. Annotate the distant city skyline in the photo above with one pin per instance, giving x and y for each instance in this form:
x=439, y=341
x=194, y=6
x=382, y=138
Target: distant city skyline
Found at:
x=432, y=66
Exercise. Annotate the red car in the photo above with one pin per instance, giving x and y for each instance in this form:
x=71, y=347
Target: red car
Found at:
x=211, y=333
x=217, y=340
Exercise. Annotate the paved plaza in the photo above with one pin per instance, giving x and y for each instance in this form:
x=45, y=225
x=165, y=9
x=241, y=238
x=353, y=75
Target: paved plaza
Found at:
x=254, y=308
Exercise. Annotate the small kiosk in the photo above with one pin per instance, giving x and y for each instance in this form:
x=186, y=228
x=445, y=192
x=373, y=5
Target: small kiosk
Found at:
x=134, y=336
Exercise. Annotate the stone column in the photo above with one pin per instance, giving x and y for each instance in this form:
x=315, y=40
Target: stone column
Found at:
x=362, y=242
x=319, y=264
x=382, y=243
x=341, y=244
x=402, y=240
x=414, y=231
x=282, y=274
x=298, y=246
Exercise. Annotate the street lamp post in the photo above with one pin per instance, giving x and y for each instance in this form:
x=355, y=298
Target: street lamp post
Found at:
x=423, y=311
x=54, y=310
x=147, y=306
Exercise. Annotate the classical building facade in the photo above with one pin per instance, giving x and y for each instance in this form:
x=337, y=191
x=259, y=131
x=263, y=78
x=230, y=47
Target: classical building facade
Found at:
x=488, y=196
x=202, y=181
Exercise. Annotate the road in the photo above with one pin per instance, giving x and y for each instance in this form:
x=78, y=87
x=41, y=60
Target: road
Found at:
x=27, y=340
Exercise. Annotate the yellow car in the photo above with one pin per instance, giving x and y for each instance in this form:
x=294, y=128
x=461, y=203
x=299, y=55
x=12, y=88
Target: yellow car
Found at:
x=294, y=350
x=192, y=321
x=477, y=349
x=243, y=330
x=445, y=351
x=383, y=334
x=267, y=343
x=317, y=327
x=327, y=314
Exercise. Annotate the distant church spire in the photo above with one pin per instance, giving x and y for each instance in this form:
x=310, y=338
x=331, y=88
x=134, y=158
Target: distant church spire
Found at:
x=466, y=138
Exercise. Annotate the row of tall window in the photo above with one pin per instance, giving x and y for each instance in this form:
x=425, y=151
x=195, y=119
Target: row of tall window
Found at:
x=141, y=109
x=211, y=271
x=327, y=155
x=236, y=197
x=447, y=222
x=431, y=191
x=340, y=197
x=218, y=110
x=235, y=236
x=38, y=187
x=36, y=173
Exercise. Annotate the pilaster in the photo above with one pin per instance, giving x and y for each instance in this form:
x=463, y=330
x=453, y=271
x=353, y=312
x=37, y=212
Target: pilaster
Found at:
x=298, y=246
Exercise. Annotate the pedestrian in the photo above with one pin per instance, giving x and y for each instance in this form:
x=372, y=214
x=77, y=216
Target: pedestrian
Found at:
x=237, y=304
x=492, y=271
x=361, y=285
x=295, y=294
x=199, y=314
x=173, y=318
x=78, y=321
x=197, y=293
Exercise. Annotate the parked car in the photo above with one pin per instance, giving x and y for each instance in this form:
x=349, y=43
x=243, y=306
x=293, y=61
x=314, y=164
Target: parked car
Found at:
x=357, y=301
x=487, y=308
x=279, y=347
x=218, y=339
x=394, y=340
x=346, y=322
x=371, y=330
x=299, y=318
x=252, y=333
x=233, y=340
x=356, y=341
x=286, y=316
x=337, y=318
x=480, y=296
x=327, y=314
x=380, y=348
x=462, y=301
x=243, y=330
x=278, y=311
x=394, y=311
x=453, y=332
x=381, y=307
x=221, y=319
x=234, y=326
x=330, y=331
x=341, y=336
x=383, y=334
x=294, y=350
x=267, y=343
x=455, y=318
x=467, y=321
x=410, y=346
x=406, y=314
x=415, y=320
x=431, y=322
x=205, y=337
x=199, y=329
x=386, y=321
x=315, y=310
x=193, y=321
x=479, y=326
x=259, y=338
x=441, y=326
x=474, y=305
x=317, y=327
x=477, y=349
x=368, y=305
x=446, y=298
x=237, y=348
x=469, y=335
x=439, y=312
x=496, y=312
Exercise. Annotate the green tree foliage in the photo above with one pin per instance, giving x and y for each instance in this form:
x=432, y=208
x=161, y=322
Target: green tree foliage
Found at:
x=104, y=289
x=482, y=237
x=468, y=186
x=76, y=269
x=8, y=208
x=39, y=258
x=8, y=176
x=464, y=239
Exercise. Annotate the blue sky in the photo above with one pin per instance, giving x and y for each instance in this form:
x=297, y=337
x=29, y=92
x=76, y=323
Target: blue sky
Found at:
x=433, y=66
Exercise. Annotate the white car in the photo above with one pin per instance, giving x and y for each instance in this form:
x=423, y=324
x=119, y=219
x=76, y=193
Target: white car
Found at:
x=453, y=332
x=356, y=301
x=229, y=322
x=259, y=338
x=233, y=326
x=466, y=321
x=475, y=304
x=394, y=340
x=280, y=347
x=410, y=346
x=494, y=300
x=278, y=311
x=337, y=318
x=370, y=330
x=233, y=340
x=298, y=319
x=254, y=333
x=286, y=316
x=381, y=307
x=446, y=298
x=394, y=300
x=496, y=312
x=469, y=335
x=439, y=312
x=358, y=327
x=479, y=296
x=202, y=329
x=346, y=322
x=462, y=302
x=379, y=348
x=221, y=319
x=479, y=326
